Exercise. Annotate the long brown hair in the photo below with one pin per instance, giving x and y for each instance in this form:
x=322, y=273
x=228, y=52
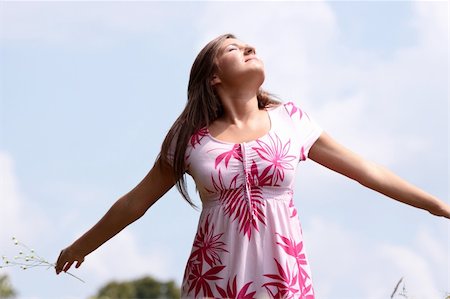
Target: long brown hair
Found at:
x=202, y=108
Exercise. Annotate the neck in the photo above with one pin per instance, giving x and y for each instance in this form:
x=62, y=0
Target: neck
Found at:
x=239, y=105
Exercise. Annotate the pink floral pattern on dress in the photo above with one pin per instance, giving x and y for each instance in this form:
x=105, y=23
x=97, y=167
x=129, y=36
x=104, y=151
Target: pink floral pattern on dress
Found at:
x=292, y=207
x=236, y=207
x=235, y=153
x=293, y=109
x=249, y=242
x=197, y=137
x=205, y=260
x=302, y=154
x=200, y=282
x=294, y=282
x=277, y=154
x=284, y=283
x=231, y=291
x=295, y=250
x=207, y=245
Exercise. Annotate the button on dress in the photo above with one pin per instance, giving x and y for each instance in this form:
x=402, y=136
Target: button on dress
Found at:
x=249, y=242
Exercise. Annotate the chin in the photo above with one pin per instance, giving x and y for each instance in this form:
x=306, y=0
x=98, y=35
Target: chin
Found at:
x=260, y=77
x=254, y=77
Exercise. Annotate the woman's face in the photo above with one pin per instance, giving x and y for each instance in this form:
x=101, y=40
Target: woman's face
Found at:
x=237, y=61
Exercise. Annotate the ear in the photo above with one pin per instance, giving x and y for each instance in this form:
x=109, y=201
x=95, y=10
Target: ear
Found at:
x=215, y=80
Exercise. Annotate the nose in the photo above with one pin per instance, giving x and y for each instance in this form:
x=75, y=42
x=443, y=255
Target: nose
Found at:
x=249, y=50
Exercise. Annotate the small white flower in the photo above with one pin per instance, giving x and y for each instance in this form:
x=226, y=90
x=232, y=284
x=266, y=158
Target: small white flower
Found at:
x=27, y=259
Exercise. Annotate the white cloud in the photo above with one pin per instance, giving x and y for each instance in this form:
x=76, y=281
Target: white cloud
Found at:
x=418, y=277
x=9, y=195
x=354, y=108
x=84, y=25
x=19, y=216
x=346, y=263
x=432, y=23
x=434, y=249
x=122, y=258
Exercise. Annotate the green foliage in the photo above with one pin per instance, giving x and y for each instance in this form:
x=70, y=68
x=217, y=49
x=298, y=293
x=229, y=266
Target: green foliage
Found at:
x=6, y=290
x=144, y=288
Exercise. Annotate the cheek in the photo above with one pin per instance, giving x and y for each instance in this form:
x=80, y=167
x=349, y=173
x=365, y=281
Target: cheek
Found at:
x=228, y=64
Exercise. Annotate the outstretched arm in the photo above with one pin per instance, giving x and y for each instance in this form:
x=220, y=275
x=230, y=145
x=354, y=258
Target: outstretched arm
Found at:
x=125, y=211
x=327, y=152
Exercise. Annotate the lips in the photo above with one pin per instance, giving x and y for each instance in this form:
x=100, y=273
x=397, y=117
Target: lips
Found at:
x=251, y=58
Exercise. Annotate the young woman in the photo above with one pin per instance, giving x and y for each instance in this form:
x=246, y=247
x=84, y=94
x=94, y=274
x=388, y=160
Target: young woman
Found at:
x=242, y=148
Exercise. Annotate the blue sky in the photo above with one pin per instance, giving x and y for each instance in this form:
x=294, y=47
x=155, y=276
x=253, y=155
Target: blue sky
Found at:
x=88, y=91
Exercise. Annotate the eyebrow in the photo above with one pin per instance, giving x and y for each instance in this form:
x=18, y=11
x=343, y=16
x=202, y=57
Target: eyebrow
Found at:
x=236, y=45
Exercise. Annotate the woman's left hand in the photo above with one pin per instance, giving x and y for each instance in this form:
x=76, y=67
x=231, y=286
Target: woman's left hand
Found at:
x=443, y=210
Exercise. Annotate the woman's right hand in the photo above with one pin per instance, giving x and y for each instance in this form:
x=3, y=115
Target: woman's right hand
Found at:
x=67, y=258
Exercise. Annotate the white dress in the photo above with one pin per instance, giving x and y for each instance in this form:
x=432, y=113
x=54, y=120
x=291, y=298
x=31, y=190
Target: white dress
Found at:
x=249, y=242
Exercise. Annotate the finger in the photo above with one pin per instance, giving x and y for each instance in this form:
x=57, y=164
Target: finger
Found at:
x=59, y=256
x=79, y=263
x=68, y=265
x=59, y=263
x=59, y=269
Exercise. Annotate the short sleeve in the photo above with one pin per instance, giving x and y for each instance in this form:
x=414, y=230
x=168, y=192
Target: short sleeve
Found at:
x=306, y=129
x=192, y=142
